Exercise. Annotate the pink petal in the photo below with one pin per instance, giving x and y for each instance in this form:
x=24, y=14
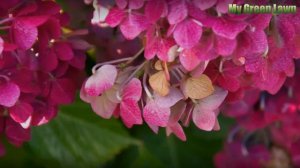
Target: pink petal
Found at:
x=122, y=3
x=84, y=96
x=254, y=63
x=152, y=40
x=199, y=69
x=269, y=80
x=229, y=83
x=204, y=4
x=224, y=46
x=164, y=49
x=260, y=22
x=9, y=94
x=222, y=5
x=1, y=45
x=188, y=59
x=133, y=25
x=130, y=113
x=204, y=119
x=101, y=80
x=115, y=17
x=103, y=106
x=62, y=91
x=187, y=33
x=154, y=128
x=228, y=28
x=21, y=112
x=133, y=90
x=24, y=35
x=177, y=130
x=156, y=115
x=213, y=101
x=154, y=9
x=177, y=112
x=259, y=40
x=177, y=11
x=217, y=126
x=169, y=100
x=135, y=4
x=33, y=20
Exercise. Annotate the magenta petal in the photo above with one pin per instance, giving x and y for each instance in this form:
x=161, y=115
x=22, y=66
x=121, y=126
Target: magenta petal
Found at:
x=135, y=4
x=20, y=112
x=100, y=81
x=64, y=51
x=15, y=132
x=224, y=46
x=152, y=40
x=1, y=45
x=188, y=59
x=24, y=35
x=48, y=60
x=9, y=94
x=115, y=17
x=187, y=33
x=122, y=3
x=156, y=115
x=133, y=90
x=228, y=29
x=260, y=22
x=154, y=9
x=177, y=11
x=133, y=25
x=130, y=113
x=222, y=5
x=33, y=20
x=204, y=4
x=62, y=91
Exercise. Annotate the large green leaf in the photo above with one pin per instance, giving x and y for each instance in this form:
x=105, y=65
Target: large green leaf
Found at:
x=79, y=138
x=161, y=151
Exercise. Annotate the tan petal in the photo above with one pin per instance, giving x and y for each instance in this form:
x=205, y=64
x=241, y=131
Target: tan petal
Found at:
x=158, y=65
x=159, y=83
x=197, y=88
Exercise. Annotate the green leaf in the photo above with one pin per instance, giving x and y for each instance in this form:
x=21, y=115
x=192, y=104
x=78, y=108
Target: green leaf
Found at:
x=161, y=151
x=79, y=138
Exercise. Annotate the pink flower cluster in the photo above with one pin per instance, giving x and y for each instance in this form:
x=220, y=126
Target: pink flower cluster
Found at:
x=40, y=66
x=268, y=121
x=195, y=56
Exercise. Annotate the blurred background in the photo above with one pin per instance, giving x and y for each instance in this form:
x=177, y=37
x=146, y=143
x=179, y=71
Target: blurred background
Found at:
x=78, y=137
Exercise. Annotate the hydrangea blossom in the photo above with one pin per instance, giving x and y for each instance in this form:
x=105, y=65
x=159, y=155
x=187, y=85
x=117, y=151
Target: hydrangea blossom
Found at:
x=196, y=56
x=38, y=60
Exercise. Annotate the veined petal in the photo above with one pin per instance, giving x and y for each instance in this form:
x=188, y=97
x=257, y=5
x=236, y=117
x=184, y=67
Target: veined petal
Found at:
x=102, y=80
x=177, y=11
x=156, y=115
x=130, y=113
x=187, y=33
x=9, y=94
x=133, y=25
x=103, y=106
